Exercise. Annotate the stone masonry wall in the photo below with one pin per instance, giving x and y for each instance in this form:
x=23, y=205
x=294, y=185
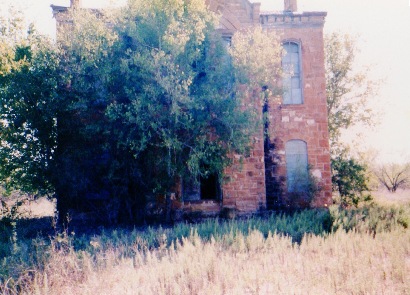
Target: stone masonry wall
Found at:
x=258, y=180
x=307, y=121
x=244, y=184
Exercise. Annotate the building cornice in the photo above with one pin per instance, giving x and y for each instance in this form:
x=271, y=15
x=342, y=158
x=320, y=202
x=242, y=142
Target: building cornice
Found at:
x=293, y=19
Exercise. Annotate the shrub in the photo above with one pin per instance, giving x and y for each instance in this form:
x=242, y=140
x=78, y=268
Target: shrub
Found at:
x=370, y=219
x=349, y=180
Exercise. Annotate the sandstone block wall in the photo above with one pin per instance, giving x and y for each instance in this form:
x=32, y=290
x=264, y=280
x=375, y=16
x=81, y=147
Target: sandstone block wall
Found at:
x=307, y=121
x=244, y=187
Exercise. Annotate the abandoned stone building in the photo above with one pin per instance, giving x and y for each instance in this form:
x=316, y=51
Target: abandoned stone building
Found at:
x=290, y=167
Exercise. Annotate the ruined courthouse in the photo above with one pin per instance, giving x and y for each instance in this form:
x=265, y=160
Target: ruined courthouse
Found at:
x=290, y=167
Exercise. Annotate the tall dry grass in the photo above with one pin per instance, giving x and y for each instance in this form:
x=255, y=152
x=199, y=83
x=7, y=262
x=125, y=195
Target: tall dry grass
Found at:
x=360, y=251
x=340, y=263
x=363, y=250
x=383, y=196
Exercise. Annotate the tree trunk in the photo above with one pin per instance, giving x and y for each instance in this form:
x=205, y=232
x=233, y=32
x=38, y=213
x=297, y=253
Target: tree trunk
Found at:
x=62, y=209
x=168, y=208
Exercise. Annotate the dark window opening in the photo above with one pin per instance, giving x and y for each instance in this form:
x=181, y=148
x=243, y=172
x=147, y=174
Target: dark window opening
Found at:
x=209, y=187
x=227, y=40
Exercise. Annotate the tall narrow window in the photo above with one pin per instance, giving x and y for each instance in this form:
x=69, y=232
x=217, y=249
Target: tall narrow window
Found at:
x=292, y=91
x=297, y=166
x=227, y=40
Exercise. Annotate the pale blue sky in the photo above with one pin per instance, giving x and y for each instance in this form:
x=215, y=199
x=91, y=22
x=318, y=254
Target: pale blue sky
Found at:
x=384, y=30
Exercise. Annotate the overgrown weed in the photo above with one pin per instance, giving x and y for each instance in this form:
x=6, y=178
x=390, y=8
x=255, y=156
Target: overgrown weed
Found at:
x=223, y=256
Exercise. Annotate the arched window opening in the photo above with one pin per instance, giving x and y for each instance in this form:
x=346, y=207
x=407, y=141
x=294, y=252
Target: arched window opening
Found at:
x=297, y=166
x=291, y=63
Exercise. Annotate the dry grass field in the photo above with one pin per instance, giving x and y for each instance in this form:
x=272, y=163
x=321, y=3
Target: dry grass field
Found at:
x=360, y=251
x=341, y=263
x=383, y=196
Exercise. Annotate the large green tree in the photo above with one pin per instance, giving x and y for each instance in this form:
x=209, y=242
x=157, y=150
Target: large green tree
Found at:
x=130, y=103
x=349, y=91
x=28, y=85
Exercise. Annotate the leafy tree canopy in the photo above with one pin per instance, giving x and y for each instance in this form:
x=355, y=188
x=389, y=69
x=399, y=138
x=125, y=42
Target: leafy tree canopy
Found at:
x=129, y=103
x=28, y=83
x=349, y=91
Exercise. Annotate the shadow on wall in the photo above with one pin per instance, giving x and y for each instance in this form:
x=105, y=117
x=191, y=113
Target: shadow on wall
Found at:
x=274, y=182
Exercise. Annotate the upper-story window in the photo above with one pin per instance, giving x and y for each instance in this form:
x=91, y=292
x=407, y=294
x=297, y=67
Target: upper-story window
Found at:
x=291, y=63
x=227, y=40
